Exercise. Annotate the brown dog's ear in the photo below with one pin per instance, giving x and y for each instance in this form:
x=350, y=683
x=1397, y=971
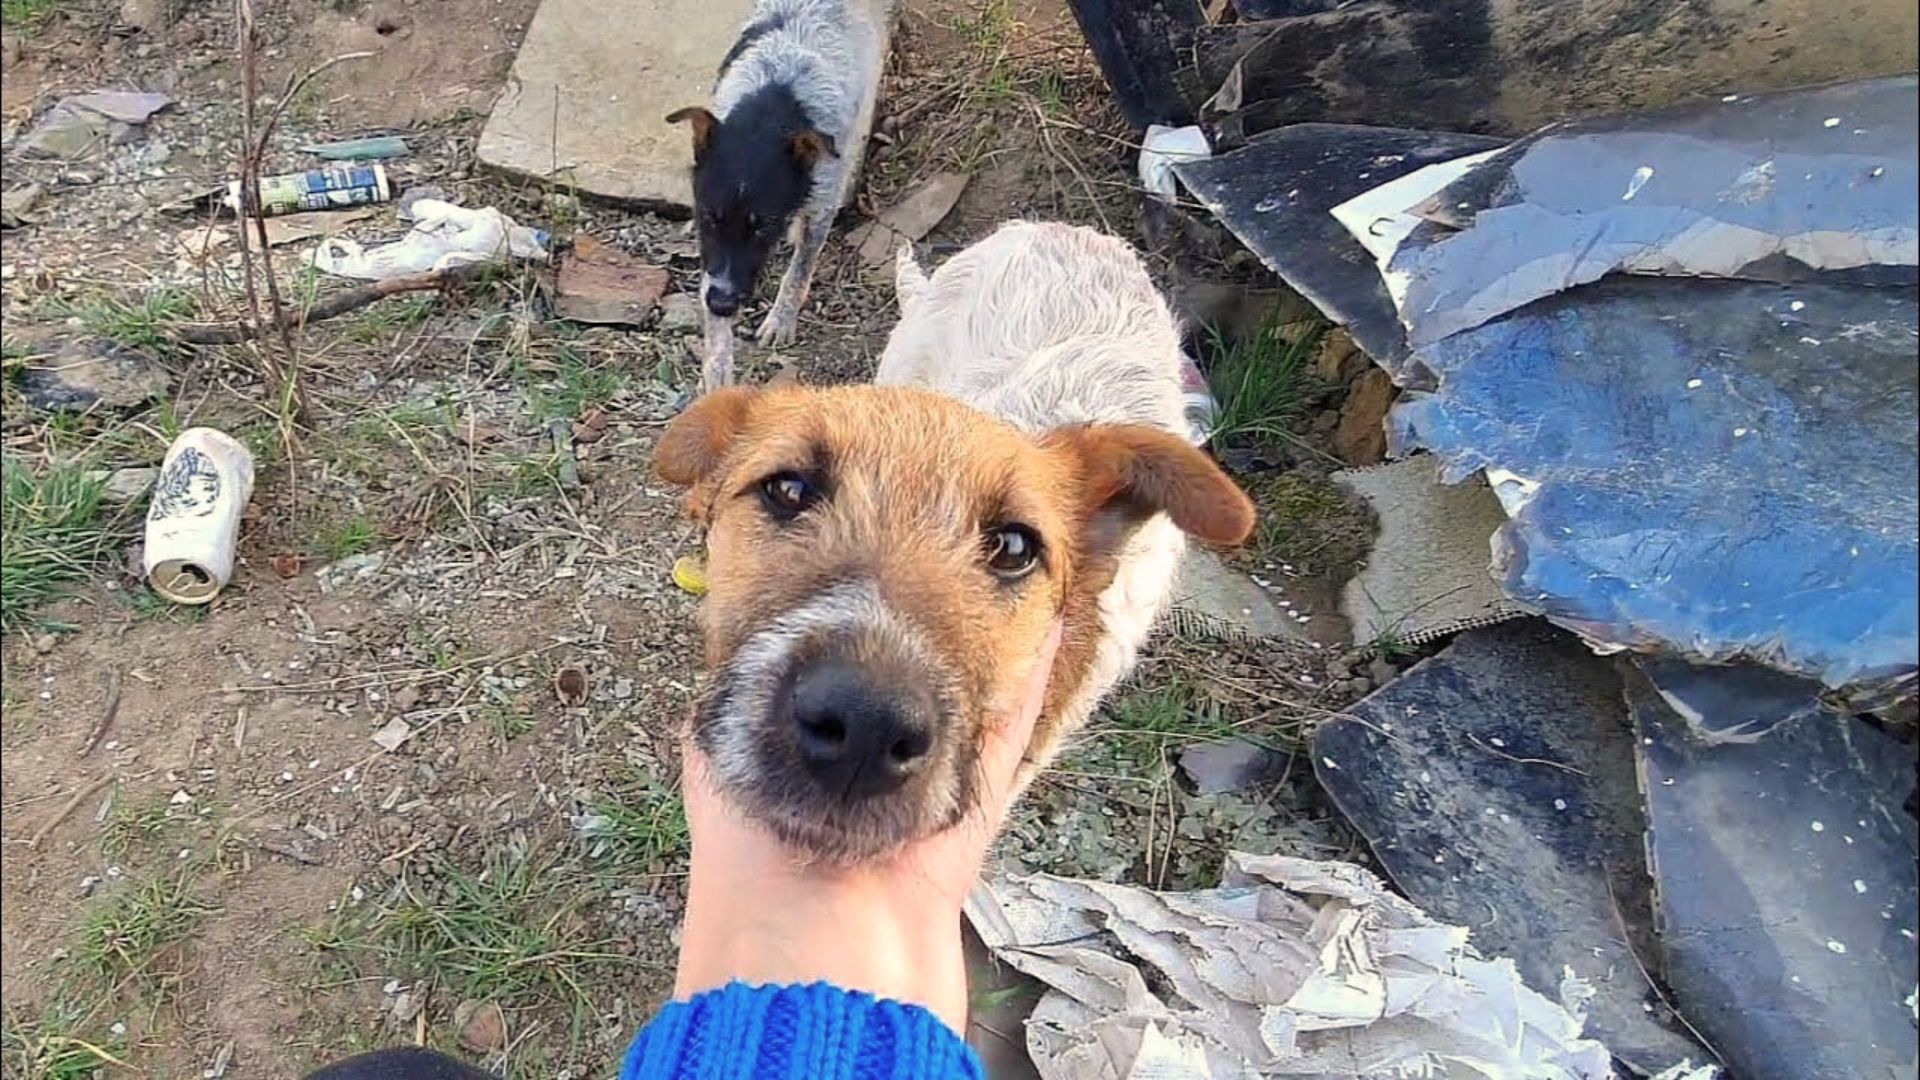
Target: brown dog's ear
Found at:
x=810, y=146
x=700, y=438
x=1140, y=471
x=703, y=124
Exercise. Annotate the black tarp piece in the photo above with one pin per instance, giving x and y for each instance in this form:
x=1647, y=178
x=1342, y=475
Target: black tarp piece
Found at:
x=1723, y=468
x=1141, y=47
x=1243, y=67
x=1732, y=702
x=1786, y=891
x=1495, y=783
x=1772, y=188
x=1274, y=194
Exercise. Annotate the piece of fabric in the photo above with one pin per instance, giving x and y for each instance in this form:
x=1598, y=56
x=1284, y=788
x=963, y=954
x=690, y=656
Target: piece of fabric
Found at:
x=818, y=1032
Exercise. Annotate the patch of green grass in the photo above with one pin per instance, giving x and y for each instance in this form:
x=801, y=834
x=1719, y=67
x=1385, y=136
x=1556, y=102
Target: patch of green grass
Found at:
x=1388, y=644
x=19, y=15
x=131, y=824
x=58, y=1042
x=507, y=722
x=435, y=644
x=520, y=476
x=347, y=537
x=124, y=936
x=576, y=387
x=53, y=532
x=1260, y=383
x=989, y=29
x=382, y=321
x=1052, y=92
x=641, y=828
x=510, y=933
x=1144, y=720
x=144, y=323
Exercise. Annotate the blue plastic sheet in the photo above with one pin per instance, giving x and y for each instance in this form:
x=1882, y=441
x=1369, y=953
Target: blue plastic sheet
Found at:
x=1691, y=334
x=1723, y=467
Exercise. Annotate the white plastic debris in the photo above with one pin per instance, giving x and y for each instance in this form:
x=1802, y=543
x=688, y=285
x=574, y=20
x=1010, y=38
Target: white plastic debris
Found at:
x=443, y=235
x=1162, y=149
x=1291, y=968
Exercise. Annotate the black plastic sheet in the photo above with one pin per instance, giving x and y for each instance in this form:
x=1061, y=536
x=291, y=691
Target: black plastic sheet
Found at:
x=1274, y=194
x=1786, y=887
x=1495, y=783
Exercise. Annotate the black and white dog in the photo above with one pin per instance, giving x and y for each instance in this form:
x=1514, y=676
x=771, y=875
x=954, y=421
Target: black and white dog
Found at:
x=779, y=151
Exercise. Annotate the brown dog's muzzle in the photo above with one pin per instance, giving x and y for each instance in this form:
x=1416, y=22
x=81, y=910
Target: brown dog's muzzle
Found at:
x=859, y=730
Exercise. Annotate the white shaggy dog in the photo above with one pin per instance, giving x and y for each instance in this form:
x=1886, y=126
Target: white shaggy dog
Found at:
x=1045, y=326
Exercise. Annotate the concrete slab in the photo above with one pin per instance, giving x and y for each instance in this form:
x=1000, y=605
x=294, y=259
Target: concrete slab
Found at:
x=586, y=103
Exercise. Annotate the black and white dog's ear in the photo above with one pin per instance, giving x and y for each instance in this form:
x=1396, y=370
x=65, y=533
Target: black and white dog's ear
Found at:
x=810, y=146
x=703, y=124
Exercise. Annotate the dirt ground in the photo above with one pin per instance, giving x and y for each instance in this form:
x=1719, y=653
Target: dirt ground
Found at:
x=209, y=867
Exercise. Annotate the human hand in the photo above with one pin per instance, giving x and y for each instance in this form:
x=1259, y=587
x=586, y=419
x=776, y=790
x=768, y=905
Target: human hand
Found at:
x=759, y=913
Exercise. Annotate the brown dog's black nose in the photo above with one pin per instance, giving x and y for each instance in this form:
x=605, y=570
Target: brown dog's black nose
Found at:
x=859, y=739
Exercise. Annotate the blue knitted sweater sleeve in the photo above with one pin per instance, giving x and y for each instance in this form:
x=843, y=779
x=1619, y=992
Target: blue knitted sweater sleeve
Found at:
x=813, y=1032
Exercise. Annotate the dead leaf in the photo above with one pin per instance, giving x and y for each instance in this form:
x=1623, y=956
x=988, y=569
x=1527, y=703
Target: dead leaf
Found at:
x=286, y=566
x=603, y=285
x=911, y=218
x=590, y=428
x=570, y=686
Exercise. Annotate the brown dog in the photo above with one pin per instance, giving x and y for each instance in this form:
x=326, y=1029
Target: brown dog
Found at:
x=883, y=563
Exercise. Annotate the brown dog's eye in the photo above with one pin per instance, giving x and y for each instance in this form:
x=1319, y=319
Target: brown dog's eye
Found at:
x=1012, y=551
x=787, y=494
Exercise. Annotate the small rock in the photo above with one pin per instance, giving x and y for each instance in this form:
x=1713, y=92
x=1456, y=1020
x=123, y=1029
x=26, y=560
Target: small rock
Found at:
x=407, y=1005
x=680, y=314
x=83, y=373
x=1226, y=765
x=1360, y=686
x=16, y=206
x=393, y=734
x=1339, y=359
x=1361, y=437
x=126, y=485
x=337, y=575
x=1382, y=671
x=482, y=1026
x=406, y=699
x=147, y=16
x=44, y=643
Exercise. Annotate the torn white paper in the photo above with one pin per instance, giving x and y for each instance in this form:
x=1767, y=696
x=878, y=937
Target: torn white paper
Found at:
x=1290, y=968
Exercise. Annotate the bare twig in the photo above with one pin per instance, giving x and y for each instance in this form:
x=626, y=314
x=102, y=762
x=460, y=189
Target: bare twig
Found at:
x=286, y=852
x=249, y=179
x=106, y=714
x=328, y=307
x=1499, y=753
x=66, y=808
